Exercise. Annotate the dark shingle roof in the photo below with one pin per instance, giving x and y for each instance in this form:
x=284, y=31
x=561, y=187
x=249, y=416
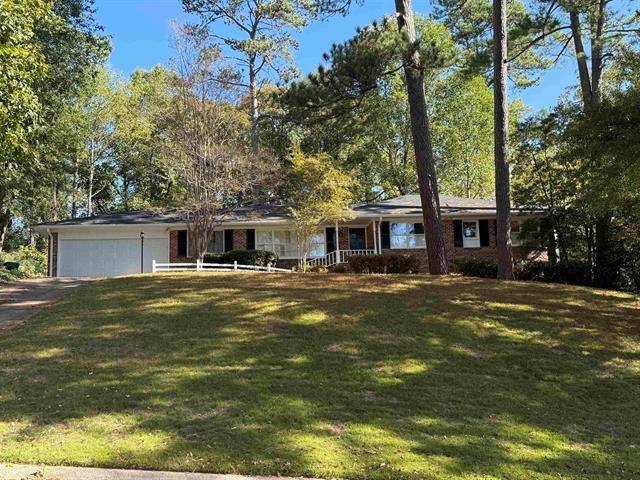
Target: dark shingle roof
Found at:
x=411, y=205
x=250, y=213
x=265, y=213
x=139, y=217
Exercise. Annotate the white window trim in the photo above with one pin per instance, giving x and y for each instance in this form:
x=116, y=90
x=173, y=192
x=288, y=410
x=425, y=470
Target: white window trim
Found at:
x=471, y=242
x=407, y=222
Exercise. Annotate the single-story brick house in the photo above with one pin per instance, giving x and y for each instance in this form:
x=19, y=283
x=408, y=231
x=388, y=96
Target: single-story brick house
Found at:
x=127, y=242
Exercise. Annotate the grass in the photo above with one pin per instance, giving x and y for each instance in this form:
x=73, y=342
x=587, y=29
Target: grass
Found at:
x=331, y=376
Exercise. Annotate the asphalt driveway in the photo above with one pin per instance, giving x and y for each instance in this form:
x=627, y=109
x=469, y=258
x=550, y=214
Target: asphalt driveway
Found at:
x=21, y=300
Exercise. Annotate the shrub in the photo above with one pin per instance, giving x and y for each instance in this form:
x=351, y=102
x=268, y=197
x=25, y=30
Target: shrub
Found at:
x=476, y=267
x=529, y=270
x=572, y=272
x=25, y=262
x=243, y=257
x=317, y=268
x=340, y=268
x=385, y=263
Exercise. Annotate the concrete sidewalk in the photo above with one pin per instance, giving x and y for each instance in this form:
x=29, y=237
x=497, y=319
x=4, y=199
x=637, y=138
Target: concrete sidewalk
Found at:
x=33, y=472
x=20, y=300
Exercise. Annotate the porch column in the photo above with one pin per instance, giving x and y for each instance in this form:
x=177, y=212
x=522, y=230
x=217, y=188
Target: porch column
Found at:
x=337, y=244
x=375, y=237
x=380, y=234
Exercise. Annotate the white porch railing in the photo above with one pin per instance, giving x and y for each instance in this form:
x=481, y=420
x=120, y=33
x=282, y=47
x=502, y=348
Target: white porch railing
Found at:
x=339, y=256
x=199, y=266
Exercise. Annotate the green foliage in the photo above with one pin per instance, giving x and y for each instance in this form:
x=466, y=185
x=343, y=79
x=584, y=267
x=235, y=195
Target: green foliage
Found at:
x=243, y=257
x=572, y=272
x=320, y=193
x=476, y=267
x=22, y=68
x=462, y=136
x=31, y=260
x=361, y=65
x=385, y=263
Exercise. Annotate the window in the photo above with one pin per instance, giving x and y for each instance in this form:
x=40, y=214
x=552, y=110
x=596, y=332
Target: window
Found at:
x=317, y=247
x=282, y=242
x=407, y=235
x=216, y=243
x=470, y=236
x=515, y=233
x=285, y=243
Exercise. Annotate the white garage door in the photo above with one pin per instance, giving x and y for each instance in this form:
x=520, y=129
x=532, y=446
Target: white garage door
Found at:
x=108, y=257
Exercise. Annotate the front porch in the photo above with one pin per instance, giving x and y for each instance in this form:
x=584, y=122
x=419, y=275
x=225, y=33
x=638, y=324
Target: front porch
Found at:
x=357, y=238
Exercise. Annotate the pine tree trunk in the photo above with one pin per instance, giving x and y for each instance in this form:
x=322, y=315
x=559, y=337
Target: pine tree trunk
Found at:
x=501, y=141
x=421, y=133
x=5, y=224
x=254, y=110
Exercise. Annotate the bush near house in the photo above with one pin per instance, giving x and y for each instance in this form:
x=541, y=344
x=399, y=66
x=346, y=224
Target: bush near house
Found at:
x=30, y=261
x=243, y=257
x=572, y=272
x=385, y=263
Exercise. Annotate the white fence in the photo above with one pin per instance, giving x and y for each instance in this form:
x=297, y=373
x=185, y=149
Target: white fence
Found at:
x=199, y=266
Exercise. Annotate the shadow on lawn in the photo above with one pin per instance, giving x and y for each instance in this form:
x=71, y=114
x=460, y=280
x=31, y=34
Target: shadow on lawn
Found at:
x=359, y=377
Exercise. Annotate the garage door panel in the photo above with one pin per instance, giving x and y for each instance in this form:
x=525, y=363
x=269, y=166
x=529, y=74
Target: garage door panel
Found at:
x=108, y=257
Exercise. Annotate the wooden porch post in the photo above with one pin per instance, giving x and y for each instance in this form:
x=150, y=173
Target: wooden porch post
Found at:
x=375, y=237
x=337, y=244
x=380, y=234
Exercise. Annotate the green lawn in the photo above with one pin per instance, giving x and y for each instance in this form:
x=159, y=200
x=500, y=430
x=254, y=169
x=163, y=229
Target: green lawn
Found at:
x=333, y=376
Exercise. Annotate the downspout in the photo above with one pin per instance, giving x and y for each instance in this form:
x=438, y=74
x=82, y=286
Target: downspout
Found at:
x=50, y=250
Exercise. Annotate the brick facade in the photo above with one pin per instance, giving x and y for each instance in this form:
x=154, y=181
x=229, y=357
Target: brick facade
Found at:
x=239, y=239
x=53, y=254
x=488, y=252
x=453, y=252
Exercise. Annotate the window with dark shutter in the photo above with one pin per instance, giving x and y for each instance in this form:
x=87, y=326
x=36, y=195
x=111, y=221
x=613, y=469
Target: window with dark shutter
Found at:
x=385, y=234
x=418, y=229
x=484, y=232
x=251, y=239
x=330, y=233
x=457, y=233
x=228, y=240
x=182, y=243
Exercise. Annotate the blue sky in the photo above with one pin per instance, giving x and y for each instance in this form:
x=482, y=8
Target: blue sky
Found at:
x=140, y=32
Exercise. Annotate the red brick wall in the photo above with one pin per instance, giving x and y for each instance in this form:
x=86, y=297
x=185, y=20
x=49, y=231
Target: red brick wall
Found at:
x=53, y=253
x=453, y=252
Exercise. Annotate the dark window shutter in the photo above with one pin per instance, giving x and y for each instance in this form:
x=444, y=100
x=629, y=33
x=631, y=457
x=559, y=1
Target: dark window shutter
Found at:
x=330, y=233
x=182, y=243
x=251, y=239
x=495, y=231
x=418, y=229
x=484, y=232
x=386, y=235
x=228, y=240
x=457, y=233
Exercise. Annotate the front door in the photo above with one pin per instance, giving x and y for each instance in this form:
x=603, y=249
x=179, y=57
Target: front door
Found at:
x=357, y=239
x=331, y=239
